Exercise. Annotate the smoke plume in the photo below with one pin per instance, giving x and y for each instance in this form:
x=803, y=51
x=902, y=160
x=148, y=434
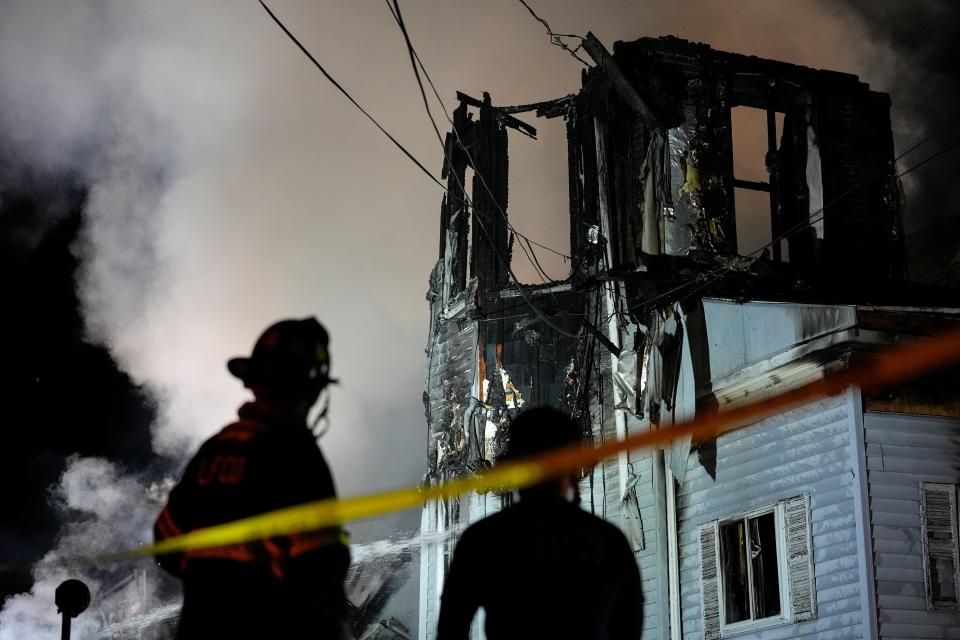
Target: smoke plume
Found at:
x=919, y=70
x=104, y=510
x=228, y=186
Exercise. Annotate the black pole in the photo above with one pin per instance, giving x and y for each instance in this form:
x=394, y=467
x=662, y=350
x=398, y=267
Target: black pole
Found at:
x=65, y=629
x=72, y=598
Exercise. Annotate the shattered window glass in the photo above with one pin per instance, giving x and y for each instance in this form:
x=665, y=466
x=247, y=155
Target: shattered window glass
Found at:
x=749, y=562
x=942, y=579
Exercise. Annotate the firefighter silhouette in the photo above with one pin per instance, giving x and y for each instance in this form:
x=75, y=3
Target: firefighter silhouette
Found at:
x=543, y=567
x=267, y=459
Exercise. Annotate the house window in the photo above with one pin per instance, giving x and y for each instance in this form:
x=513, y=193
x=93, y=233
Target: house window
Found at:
x=757, y=569
x=749, y=559
x=938, y=511
x=755, y=136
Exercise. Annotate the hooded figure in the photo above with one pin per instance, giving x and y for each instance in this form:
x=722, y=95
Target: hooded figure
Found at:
x=543, y=567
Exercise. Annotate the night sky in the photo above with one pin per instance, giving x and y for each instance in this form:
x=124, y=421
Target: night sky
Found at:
x=175, y=177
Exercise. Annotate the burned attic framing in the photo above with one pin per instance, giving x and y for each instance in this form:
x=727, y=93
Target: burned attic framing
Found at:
x=653, y=220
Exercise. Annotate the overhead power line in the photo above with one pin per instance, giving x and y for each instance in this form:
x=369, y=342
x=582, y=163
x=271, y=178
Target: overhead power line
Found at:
x=456, y=133
x=414, y=59
x=707, y=279
x=403, y=149
x=336, y=84
x=557, y=38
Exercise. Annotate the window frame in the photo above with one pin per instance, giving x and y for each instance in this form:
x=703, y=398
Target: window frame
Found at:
x=786, y=605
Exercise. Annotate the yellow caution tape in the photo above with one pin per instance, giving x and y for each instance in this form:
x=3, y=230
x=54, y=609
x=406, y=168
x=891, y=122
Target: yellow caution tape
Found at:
x=893, y=366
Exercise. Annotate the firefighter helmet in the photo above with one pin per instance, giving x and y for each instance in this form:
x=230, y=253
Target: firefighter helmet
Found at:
x=290, y=355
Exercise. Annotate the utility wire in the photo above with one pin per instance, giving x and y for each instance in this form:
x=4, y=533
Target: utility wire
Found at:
x=456, y=133
x=557, y=38
x=398, y=16
x=721, y=272
x=403, y=149
x=327, y=75
x=543, y=317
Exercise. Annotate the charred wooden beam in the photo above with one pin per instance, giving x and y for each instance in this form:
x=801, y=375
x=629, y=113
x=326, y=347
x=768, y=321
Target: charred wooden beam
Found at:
x=750, y=184
x=619, y=81
x=506, y=118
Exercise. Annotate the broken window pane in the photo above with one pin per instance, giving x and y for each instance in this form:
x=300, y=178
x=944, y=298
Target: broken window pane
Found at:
x=942, y=579
x=733, y=557
x=763, y=555
x=750, y=565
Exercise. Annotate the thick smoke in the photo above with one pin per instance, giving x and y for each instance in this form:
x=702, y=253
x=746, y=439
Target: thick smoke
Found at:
x=920, y=73
x=104, y=510
x=227, y=185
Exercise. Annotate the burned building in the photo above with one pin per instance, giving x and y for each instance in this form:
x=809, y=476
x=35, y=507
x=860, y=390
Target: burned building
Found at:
x=822, y=520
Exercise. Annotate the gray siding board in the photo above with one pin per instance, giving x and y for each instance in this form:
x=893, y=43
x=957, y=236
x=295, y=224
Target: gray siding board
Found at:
x=900, y=561
x=910, y=424
x=901, y=589
x=895, y=491
x=834, y=551
x=838, y=594
x=747, y=442
x=903, y=603
x=913, y=630
x=814, y=439
x=919, y=617
x=894, y=574
x=902, y=452
x=908, y=478
x=837, y=519
x=905, y=437
x=750, y=491
x=898, y=518
x=836, y=578
x=914, y=466
x=830, y=448
x=843, y=563
x=934, y=451
x=898, y=532
x=895, y=505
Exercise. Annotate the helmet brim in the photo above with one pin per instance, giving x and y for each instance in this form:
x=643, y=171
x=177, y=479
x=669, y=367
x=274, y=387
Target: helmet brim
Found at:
x=240, y=368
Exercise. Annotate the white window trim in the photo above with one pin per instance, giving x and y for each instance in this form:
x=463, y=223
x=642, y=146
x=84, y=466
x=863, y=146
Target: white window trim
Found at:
x=786, y=606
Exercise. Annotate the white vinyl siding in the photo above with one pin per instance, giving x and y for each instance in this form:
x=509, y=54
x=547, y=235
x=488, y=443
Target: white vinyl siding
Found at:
x=804, y=452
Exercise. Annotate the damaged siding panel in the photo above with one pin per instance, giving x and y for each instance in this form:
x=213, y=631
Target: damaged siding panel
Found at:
x=449, y=389
x=641, y=468
x=743, y=334
x=806, y=451
x=902, y=452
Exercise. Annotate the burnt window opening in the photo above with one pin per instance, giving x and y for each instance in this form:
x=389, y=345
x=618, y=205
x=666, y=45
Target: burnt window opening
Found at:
x=539, y=203
x=938, y=511
x=750, y=567
x=756, y=134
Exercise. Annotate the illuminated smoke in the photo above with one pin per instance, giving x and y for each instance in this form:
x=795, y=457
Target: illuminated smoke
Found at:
x=228, y=186
x=104, y=510
x=923, y=39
